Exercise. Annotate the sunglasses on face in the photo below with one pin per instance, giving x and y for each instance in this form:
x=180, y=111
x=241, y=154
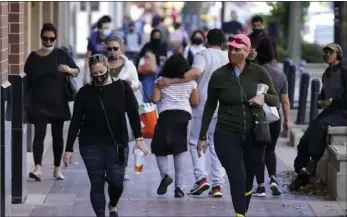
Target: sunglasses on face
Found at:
x=51, y=39
x=113, y=48
x=236, y=40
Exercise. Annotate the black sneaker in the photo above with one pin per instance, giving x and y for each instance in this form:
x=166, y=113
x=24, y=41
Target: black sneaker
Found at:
x=199, y=187
x=179, y=192
x=260, y=192
x=274, y=187
x=311, y=167
x=113, y=214
x=165, y=182
x=301, y=179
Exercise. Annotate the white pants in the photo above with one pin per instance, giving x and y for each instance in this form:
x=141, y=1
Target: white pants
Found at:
x=199, y=164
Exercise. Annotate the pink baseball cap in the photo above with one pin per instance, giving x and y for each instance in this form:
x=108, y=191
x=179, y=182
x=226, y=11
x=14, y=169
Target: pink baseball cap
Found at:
x=239, y=41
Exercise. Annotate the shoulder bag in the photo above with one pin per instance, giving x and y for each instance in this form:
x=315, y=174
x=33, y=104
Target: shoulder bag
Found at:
x=70, y=85
x=261, y=130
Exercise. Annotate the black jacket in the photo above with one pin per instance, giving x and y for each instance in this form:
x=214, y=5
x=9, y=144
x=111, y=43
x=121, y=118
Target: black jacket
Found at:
x=339, y=102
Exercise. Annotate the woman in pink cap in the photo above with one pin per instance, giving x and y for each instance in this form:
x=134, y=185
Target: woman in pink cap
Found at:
x=234, y=86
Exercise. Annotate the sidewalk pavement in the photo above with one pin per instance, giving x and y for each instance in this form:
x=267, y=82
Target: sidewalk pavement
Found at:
x=70, y=197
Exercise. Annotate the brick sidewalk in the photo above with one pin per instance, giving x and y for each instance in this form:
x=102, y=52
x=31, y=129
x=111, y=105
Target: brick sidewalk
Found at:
x=70, y=197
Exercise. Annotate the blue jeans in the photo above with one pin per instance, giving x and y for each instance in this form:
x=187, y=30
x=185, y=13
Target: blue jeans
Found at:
x=99, y=159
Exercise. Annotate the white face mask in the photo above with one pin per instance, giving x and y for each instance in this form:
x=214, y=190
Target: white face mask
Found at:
x=106, y=32
x=50, y=48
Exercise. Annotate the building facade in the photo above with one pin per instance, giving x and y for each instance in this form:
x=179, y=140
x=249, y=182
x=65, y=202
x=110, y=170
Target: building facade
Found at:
x=20, y=24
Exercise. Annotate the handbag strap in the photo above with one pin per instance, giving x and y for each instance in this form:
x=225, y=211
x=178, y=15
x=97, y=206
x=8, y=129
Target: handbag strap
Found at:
x=241, y=88
x=107, y=121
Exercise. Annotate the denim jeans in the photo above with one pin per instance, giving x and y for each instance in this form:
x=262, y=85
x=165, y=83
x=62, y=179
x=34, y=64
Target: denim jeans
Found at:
x=99, y=159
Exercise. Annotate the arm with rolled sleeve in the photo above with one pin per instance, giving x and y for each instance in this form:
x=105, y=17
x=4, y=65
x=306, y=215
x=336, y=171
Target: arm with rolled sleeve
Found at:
x=210, y=105
x=69, y=61
x=271, y=98
x=132, y=110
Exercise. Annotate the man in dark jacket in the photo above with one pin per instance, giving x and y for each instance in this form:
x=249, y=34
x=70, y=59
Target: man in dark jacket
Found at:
x=258, y=34
x=233, y=27
x=333, y=100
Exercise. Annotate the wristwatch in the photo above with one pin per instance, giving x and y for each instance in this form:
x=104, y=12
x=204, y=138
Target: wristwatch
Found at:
x=203, y=138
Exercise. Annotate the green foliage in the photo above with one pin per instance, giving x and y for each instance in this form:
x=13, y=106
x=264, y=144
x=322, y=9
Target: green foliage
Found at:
x=312, y=53
x=280, y=12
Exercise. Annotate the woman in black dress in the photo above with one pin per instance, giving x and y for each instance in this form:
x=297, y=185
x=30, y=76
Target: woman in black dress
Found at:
x=47, y=70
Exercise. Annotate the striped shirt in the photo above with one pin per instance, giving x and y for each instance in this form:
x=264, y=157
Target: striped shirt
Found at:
x=176, y=97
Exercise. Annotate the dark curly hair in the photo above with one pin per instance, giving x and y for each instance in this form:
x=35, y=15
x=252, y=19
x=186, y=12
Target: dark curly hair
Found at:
x=175, y=67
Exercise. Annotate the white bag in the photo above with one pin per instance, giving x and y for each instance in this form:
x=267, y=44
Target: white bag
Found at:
x=271, y=113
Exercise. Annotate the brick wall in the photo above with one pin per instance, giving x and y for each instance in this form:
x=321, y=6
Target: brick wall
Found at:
x=16, y=57
x=3, y=42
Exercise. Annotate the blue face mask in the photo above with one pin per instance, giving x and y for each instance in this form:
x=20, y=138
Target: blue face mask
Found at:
x=45, y=48
x=106, y=32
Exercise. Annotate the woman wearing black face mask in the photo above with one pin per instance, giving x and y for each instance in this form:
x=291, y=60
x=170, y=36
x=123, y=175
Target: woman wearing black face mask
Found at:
x=99, y=121
x=159, y=49
x=197, y=40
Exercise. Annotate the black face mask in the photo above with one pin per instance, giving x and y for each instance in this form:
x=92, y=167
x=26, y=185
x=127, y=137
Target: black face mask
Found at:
x=258, y=31
x=197, y=41
x=100, y=79
x=155, y=41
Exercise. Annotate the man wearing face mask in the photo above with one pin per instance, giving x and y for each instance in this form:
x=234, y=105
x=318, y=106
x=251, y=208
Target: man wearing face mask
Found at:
x=333, y=101
x=97, y=42
x=160, y=50
x=197, y=39
x=258, y=34
x=133, y=42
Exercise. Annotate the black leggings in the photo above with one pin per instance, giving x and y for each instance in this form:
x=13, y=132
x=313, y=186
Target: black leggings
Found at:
x=269, y=158
x=98, y=160
x=58, y=140
x=240, y=160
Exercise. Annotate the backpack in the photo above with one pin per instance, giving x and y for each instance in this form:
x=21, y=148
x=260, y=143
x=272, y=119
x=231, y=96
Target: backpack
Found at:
x=138, y=38
x=190, y=57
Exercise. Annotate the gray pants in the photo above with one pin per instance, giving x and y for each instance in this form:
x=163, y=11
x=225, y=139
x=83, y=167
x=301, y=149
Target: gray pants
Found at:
x=163, y=165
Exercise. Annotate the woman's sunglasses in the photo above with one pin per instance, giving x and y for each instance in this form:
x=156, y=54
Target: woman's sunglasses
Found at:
x=51, y=39
x=113, y=48
x=237, y=40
